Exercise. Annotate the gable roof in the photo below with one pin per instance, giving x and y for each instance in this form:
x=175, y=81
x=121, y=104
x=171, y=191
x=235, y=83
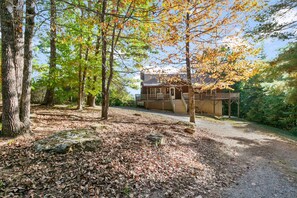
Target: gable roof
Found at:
x=149, y=79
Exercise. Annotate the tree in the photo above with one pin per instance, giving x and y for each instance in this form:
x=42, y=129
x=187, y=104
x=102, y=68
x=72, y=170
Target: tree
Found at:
x=78, y=45
x=82, y=39
x=278, y=21
x=283, y=73
x=27, y=69
x=19, y=43
x=11, y=125
x=188, y=28
x=49, y=96
x=264, y=101
x=122, y=14
x=16, y=111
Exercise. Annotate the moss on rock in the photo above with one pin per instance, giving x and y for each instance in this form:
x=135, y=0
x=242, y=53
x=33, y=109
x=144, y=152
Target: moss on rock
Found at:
x=65, y=141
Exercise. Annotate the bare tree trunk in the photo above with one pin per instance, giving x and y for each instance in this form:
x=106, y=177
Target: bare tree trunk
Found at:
x=11, y=125
x=50, y=92
x=19, y=44
x=189, y=74
x=26, y=89
x=104, y=53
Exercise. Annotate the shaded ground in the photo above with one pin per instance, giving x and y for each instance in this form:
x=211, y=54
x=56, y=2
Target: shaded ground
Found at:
x=126, y=165
x=271, y=161
x=222, y=159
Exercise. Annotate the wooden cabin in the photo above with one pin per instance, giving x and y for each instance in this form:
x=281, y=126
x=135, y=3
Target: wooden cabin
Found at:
x=170, y=92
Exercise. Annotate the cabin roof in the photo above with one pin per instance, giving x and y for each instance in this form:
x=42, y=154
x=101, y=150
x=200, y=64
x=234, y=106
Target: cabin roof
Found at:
x=173, y=79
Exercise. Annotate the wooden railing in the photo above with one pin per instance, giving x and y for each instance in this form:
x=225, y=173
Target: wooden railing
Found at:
x=184, y=101
x=185, y=96
x=213, y=96
x=158, y=96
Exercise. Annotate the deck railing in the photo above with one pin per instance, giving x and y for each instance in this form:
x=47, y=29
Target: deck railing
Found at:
x=158, y=96
x=185, y=96
x=213, y=96
x=184, y=101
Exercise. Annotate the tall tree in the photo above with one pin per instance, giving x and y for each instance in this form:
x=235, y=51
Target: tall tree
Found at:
x=91, y=98
x=188, y=28
x=278, y=20
x=116, y=17
x=282, y=73
x=26, y=88
x=19, y=43
x=80, y=45
x=188, y=66
x=11, y=125
x=16, y=111
x=49, y=96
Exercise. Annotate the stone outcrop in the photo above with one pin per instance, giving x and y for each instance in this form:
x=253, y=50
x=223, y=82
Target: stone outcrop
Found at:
x=66, y=141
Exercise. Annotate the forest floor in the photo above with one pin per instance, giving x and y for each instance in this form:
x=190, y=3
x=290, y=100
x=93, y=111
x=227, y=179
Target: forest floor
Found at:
x=204, y=164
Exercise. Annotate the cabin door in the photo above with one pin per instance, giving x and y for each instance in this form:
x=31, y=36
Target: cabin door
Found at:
x=172, y=92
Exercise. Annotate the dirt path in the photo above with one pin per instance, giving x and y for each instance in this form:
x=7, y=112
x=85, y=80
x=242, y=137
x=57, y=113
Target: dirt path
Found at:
x=271, y=162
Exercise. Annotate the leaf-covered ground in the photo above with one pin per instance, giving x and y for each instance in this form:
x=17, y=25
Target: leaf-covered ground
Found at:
x=126, y=165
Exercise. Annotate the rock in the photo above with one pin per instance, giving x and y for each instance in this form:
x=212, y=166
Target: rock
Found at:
x=137, y=114
x=156, y=139
x=190, y=130
x=65, y=141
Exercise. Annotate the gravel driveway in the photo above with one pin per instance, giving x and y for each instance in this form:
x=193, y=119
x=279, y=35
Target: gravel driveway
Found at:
x=271, y=161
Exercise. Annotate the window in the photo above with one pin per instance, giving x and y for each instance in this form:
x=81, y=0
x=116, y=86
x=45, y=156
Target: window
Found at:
x=153, y=91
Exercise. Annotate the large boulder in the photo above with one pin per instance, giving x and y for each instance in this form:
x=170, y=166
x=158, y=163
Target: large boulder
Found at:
x=72, y=140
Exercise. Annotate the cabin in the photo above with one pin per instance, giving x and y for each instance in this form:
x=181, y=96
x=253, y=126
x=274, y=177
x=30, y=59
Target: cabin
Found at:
x=170, y=92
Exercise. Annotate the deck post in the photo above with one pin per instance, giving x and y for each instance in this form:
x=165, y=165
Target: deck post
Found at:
x=229, y=105
x=163, y=103
x=238, y=107
x=214, y=104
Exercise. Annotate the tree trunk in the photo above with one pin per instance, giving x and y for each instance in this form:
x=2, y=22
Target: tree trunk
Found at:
x=103, y=73
x=19, y=44
x=50, y=92
x=84, y=75
x=82, y=72
x=11, y=125
x=191, y=104
x=114, y=39
x=189, y=74
x=26, y=89
x=91, y=100
x=106, y=106
x=80, y=93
